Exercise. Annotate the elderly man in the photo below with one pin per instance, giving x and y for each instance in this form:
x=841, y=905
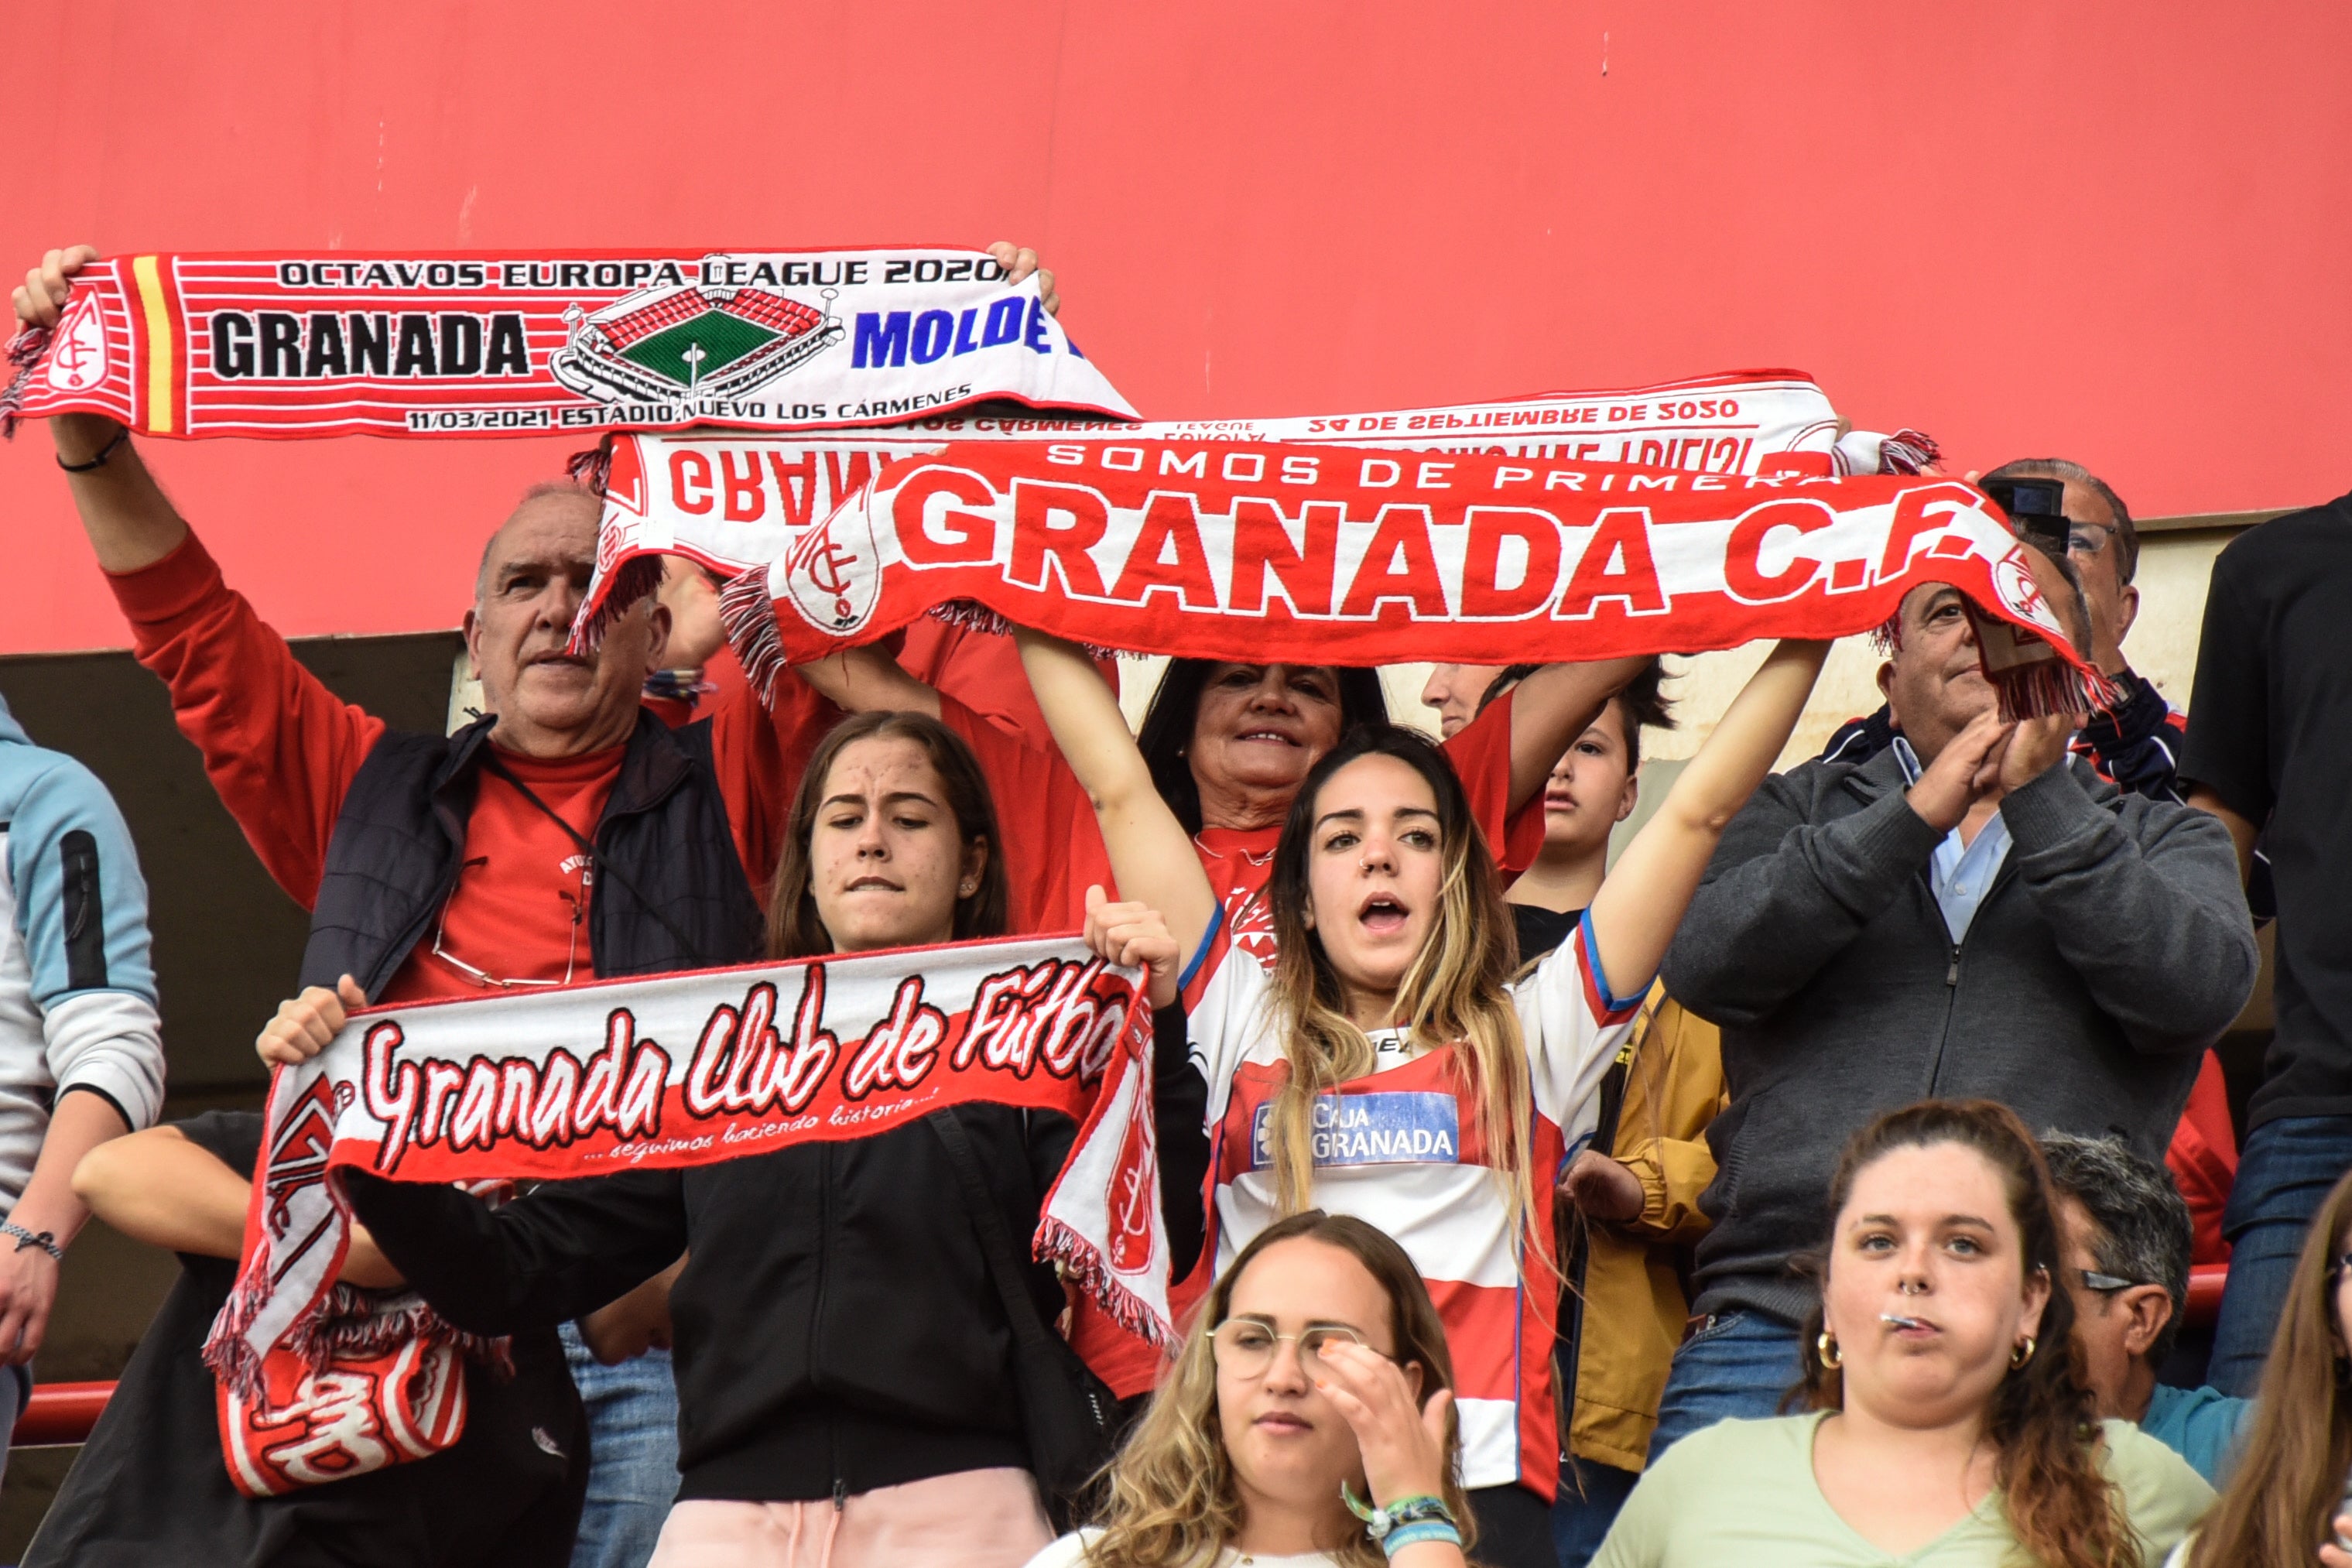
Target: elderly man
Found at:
x=2135, y=744
x=2124, y=1232
x=567, y=834
x=1940, y=920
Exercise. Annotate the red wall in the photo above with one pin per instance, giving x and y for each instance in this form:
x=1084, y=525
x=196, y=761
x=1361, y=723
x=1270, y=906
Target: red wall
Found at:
x=2115, y=231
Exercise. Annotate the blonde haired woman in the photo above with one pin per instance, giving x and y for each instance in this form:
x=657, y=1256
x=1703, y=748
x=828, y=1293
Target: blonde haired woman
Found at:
x=1389, y=1065
x=1307, y=1422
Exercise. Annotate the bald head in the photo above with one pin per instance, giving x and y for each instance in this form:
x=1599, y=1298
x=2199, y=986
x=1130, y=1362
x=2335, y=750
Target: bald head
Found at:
x=535, y=571
x=560, y=498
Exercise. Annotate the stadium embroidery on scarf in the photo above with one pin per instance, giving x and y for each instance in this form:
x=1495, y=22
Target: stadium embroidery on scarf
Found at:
x=533, y=344
x=318, y=1381
x=1355, y=556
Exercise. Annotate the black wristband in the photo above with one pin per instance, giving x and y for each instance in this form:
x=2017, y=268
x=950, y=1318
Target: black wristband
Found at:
x=121, y=434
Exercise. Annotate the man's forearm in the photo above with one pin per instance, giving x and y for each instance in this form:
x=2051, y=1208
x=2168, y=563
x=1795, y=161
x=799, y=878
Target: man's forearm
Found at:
x=130, y=521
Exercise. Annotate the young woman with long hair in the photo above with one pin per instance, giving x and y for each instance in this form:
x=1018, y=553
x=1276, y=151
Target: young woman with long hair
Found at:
x=1227, y=745
x=2284, y=1507
x=1949, y=1422
x=846, y=1388
x=1390, y=1065
x=1316, y=1372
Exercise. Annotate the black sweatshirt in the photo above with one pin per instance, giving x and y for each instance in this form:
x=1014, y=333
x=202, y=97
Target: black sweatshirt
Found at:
x=836, y=1327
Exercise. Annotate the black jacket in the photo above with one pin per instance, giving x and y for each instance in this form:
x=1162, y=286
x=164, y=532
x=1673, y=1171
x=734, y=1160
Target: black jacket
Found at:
x=670, y=889
x=837, y=1328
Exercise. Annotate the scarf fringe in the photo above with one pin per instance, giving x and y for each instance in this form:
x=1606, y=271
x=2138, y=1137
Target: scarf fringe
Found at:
x=1908, y=451
x=349, y=1324
x=1080, y=1261
x=2048, y=687
x=25, y=351
x=750, y=617
x=592, y=465
x=633, y=581
x=973, y=615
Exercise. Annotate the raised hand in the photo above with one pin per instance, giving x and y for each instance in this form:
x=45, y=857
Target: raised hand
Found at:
x=1136, y=936
x=1962, y=774
x=1019, y=261
x=1403, y=1441
x=305, y=1025
x=42, y=297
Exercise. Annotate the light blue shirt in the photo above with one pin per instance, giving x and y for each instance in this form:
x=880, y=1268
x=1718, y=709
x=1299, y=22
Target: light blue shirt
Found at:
x=1960, y=874
x=2202, y=1426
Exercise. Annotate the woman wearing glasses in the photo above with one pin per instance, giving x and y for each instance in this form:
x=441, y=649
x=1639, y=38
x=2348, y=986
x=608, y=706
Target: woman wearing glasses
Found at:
x=2288, y=1502
x=1388, y=1064
x=847, y=1391
x=1307, y=1422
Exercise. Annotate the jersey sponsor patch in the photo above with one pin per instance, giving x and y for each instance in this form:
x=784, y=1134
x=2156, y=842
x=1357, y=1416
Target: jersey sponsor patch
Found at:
x=1392, y=1128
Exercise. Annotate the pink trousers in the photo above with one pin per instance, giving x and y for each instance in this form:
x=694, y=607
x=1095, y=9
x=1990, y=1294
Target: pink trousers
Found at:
x=973, y=1519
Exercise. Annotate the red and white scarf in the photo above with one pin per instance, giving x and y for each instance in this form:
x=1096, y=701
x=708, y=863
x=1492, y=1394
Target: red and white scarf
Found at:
x=675, y=1071
x=735, y=500
x=542, y=343
x=1359, y=556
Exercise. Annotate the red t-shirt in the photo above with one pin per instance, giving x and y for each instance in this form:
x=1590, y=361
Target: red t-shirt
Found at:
x=519, y=911
x=281, y=750
x=1054, y=848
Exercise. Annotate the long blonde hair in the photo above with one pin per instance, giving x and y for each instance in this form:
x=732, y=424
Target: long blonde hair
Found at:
x=1172, y=1497
x=1456, y=990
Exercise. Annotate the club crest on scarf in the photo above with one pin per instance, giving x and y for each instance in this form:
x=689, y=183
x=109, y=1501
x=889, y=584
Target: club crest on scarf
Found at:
x=318, y=1380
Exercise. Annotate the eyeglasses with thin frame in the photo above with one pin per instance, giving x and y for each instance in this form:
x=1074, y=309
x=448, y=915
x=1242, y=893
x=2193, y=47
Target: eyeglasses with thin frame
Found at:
x=2089, y=538
x=1244, y=1347
x=483, y=977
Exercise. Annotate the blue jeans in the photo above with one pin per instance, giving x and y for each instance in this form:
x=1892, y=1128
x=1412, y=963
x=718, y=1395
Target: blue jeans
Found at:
x=631, y=1454
x=1740, y=1364
x=1591, y=1493
x=2284, y=1173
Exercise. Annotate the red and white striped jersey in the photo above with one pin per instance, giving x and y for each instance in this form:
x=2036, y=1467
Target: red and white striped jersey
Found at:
x=1400, y=1148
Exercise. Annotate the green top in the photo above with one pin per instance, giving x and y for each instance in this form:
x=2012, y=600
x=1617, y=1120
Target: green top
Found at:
x=1743, y=1493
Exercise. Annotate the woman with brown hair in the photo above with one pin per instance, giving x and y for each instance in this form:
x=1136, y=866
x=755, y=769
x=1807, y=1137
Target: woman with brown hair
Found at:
x=2285, y=1505
x=1307, y=1422
x=847, y=1388
x=1948, y=1422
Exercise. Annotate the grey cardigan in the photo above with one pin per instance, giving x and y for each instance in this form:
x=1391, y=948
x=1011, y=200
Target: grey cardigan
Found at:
x=2111, y=950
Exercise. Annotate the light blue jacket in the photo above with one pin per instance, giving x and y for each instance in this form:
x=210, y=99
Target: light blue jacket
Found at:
x=77, y=985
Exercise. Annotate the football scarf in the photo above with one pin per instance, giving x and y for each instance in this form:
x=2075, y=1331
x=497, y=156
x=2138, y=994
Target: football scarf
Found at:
x=1356, y=556
x=678, y=1070
x=532, y=343
x=733, y=501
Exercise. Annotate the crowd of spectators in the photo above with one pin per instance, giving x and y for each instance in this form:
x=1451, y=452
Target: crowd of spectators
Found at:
x=1806, y=1198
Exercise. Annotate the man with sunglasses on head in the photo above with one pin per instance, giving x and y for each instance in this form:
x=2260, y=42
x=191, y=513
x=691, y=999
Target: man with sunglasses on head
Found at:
x=2123, y=1231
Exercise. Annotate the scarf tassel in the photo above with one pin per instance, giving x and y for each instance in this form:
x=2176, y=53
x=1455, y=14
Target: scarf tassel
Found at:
x=1082, y=1262
x=25, y=351
x=350, y=1324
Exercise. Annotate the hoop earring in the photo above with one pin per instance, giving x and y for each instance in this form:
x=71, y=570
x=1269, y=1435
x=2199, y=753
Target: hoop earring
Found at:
x=2021, y=1354
x=1826, y=1347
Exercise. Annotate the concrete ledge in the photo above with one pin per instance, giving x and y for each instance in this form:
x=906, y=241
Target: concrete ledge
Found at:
x=2227, y=522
